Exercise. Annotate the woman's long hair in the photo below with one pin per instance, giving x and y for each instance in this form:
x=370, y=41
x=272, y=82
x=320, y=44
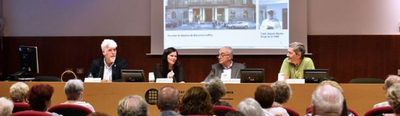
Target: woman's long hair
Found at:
x=164, y=60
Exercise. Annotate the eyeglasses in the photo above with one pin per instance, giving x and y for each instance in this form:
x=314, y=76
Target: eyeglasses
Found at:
x=222, y=55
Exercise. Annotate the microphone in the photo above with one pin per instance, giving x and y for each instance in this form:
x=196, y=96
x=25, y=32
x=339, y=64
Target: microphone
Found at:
x=243, y=67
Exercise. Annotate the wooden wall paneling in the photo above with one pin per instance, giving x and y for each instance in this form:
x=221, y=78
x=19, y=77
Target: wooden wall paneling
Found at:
x=346, y=56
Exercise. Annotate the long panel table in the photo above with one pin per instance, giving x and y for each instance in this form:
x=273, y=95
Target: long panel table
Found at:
x=105, y=96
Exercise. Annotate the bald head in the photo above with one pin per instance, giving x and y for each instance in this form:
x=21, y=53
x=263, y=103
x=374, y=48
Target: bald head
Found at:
x=168, y=98
x=327, y=100
x=390, y=80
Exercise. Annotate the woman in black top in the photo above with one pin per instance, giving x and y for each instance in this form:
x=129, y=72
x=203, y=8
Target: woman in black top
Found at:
x=170, y=66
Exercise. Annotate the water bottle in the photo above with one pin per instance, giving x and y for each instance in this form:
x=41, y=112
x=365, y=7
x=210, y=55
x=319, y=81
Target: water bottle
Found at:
x=281, y=77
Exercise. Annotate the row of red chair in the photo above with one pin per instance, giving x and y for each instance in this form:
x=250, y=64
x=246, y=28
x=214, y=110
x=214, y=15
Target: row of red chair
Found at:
x=23, y=109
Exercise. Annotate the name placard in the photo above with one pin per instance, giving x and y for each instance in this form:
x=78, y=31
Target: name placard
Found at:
x=92, y=80
x=295, y=81
x=164, y=80
x=230, y=80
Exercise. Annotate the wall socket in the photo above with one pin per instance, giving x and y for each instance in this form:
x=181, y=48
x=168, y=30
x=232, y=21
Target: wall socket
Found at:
x=80, y=70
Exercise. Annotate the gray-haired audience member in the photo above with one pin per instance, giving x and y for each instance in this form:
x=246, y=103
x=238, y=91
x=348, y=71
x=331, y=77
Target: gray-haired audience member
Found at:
x=6, y=107
x=392, y=96
x=74, y=91
x=390, y=80
x=18, y=92
x=132, y=105
x=250, y=107
x=168, y=101
x=216, y=88
x=327, y=100
x=234, y=113
x=283, y=93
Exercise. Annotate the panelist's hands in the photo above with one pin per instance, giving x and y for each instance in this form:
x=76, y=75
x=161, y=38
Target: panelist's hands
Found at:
x=106, y=81
x=170, y=74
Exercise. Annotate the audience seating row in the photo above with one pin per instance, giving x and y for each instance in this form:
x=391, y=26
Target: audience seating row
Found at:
x=23, y=109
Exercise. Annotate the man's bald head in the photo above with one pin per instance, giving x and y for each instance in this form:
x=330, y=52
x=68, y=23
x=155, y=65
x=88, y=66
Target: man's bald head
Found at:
x=327, y=100
x=168, y=98
x=390, y=80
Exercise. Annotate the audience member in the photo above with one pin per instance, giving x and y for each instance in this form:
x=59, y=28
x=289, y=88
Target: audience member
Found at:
x=333, y=84
x=18, y=92
x=39, y=97
x=337, y=86
x=283, y=93
x=132, y=105
x=234, y=113
x=170, y=67
x=216, y=88
x=168, y=101
x=225, y=68
x=6, y=107
x=393, y=97
x=197, y=101
x=108, y=68
x=390, y=80
x=265, y=95
x=74, y=91
x=251, y=107
x=293, y=66
x=327, y=100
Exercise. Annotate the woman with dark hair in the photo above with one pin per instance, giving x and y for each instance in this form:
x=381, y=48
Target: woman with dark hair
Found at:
x=39, y=97
x=170, y=66
x=196, y=101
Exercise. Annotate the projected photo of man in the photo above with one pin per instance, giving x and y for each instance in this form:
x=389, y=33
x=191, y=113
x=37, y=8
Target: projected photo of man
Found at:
x=273, y=14
x=209, y=15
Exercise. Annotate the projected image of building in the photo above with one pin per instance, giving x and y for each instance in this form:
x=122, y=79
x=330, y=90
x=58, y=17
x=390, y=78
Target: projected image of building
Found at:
x=209, y=14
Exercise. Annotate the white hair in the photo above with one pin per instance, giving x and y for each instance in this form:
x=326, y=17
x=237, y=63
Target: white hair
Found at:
x=250, y=107
x=327, y=99
x=6, y=107
x=230, y=50
x=73, y=88
x=108, y=42
x=216, y=88
x=132, y=105
x=393, y=97
x=18, y=91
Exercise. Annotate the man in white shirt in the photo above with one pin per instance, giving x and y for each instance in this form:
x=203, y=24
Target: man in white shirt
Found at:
x=271, y=22
x=108, y=68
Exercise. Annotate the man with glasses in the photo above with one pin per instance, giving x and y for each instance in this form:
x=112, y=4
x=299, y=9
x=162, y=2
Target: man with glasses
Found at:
x=225, y=68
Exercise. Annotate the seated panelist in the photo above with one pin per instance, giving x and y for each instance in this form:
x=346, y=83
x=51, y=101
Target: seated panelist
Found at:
x=108, y=68
x=293, y=66
x=225, y=68
x=170, y=66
